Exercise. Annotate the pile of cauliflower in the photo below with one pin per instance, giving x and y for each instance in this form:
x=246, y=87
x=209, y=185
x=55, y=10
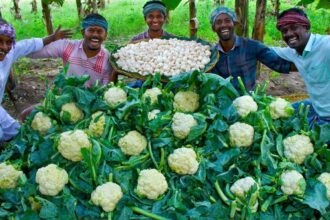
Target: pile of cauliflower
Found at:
x=167, y=57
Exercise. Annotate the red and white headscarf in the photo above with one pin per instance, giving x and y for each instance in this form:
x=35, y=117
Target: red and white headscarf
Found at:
x=293, y=18
x=8, y=30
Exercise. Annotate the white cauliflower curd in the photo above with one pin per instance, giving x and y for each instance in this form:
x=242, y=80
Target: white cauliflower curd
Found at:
x=176, y=56
x=325, y=179
x=153, y=114
x=70, y=144
x=182, y=124
x=186, y=101
x=8, y=176
x=96, y=127
x=151, y=184
x=292, y=183
x=107, y=196
x=75, y=114
x=115, y=96
x=51, y=179
x=152, y=94
x=242, y=186
x=280, y=108
x=241, y=134
x=183, y=161
x=41, y=122
x=244, y=105
x=297, y=148
x=133, y=143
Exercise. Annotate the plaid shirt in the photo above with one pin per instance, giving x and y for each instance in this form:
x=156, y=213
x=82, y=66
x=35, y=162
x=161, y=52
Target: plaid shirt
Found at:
x=242, y=59
x=145, y=35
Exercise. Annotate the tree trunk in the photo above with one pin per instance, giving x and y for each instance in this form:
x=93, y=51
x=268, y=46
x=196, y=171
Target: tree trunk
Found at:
x=167, y=19
x=91, y=7
x=242, y=12
x=193, y=19
x=259, y=21
x=276, y=4
x=101, y=4
x=47, y=17
x=94, y=6
x=17, y=10
x=222, y=2
x=219, y=2
x=34, y=6
x=80, y=9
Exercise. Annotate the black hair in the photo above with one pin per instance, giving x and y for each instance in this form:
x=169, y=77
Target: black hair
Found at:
x=296, y=10
x=95, y=15
x=154, y=1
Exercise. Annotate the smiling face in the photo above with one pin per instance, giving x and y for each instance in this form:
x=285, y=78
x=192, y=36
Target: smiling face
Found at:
x=295, y=36
x=224, y=27
x=93, y=38
x=155, y=20
x=6, y=44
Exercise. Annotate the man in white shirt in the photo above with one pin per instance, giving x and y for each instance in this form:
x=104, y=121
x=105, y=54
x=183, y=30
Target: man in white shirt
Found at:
x=10, y=51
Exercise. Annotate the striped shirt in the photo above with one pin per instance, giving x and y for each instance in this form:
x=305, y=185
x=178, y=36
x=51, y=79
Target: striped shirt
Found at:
x=242, y=59
x=71, y=51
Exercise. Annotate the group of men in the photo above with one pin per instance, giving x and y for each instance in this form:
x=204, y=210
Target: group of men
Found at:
x=306, y=53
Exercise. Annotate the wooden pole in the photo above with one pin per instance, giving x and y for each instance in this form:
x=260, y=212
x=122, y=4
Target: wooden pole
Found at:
x=193, y=19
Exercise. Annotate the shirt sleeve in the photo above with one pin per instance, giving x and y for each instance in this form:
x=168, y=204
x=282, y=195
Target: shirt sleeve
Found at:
x=25, y=47
x=271, y=59
x=52, y=50
x=8, y=126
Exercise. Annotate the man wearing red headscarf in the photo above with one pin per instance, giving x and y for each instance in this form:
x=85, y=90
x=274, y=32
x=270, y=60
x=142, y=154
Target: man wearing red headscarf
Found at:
x=310, y=53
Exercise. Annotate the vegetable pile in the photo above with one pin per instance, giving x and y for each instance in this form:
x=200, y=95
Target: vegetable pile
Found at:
x=195, y=149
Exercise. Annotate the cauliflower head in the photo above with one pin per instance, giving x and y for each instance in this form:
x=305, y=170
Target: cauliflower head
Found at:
x=292, y=183
x=244, y=105
x=73, y=111
x=186, y=101
x=107, y=196
x=51, y=179
x=151, y=183
x=96, y=127
x=297, y=148
x=8, y=176
x=241, y=134
x=70, y=144
x=153, y=114
x=115, y=96
x=182, y=124
x=325, y=179
x=183, y=161
x=280, y=108
x=133, y=143
x=152, y=94
x=41, y=122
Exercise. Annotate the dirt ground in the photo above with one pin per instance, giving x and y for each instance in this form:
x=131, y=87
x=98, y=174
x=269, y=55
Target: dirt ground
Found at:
x=35, y=74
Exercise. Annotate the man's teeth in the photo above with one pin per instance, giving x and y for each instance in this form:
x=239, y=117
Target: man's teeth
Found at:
x=294, y=39
x=2, y=53
x=224, y=31
x=95, y=40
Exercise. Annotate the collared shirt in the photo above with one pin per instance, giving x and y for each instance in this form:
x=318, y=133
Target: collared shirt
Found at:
x=242, y=59
x=145, y=35
x=314, y=67
x=21, y=48
x=72, y=52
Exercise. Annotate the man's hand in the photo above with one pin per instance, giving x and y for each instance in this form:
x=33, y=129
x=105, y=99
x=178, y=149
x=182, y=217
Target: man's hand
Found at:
x=57, y=35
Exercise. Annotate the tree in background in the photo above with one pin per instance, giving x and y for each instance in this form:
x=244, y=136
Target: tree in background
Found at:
x=34, y=6
x=80, y=10
x=276, y=5
x=46, y=13
x=242, y=12
x=17, y=10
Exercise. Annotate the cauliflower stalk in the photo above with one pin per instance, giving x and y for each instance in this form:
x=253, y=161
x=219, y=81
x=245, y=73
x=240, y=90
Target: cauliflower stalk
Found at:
x=241, y=134
x=41, y=123
x=153, y=114
x=292, y=183
x=51, y=179
x=244, y=105
x=325, y=179
x=133, y=143
x=182, y=124
x=186, y=101
x=151, y=184
x=71, y=113
x=107, y=196
x=152, y=94
x=96, y=127
x=71, y=143
x=241, y=189
x=183, y=161
x=9, y=176
x=280, y=108
x=297, y=148
x=115, y=96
